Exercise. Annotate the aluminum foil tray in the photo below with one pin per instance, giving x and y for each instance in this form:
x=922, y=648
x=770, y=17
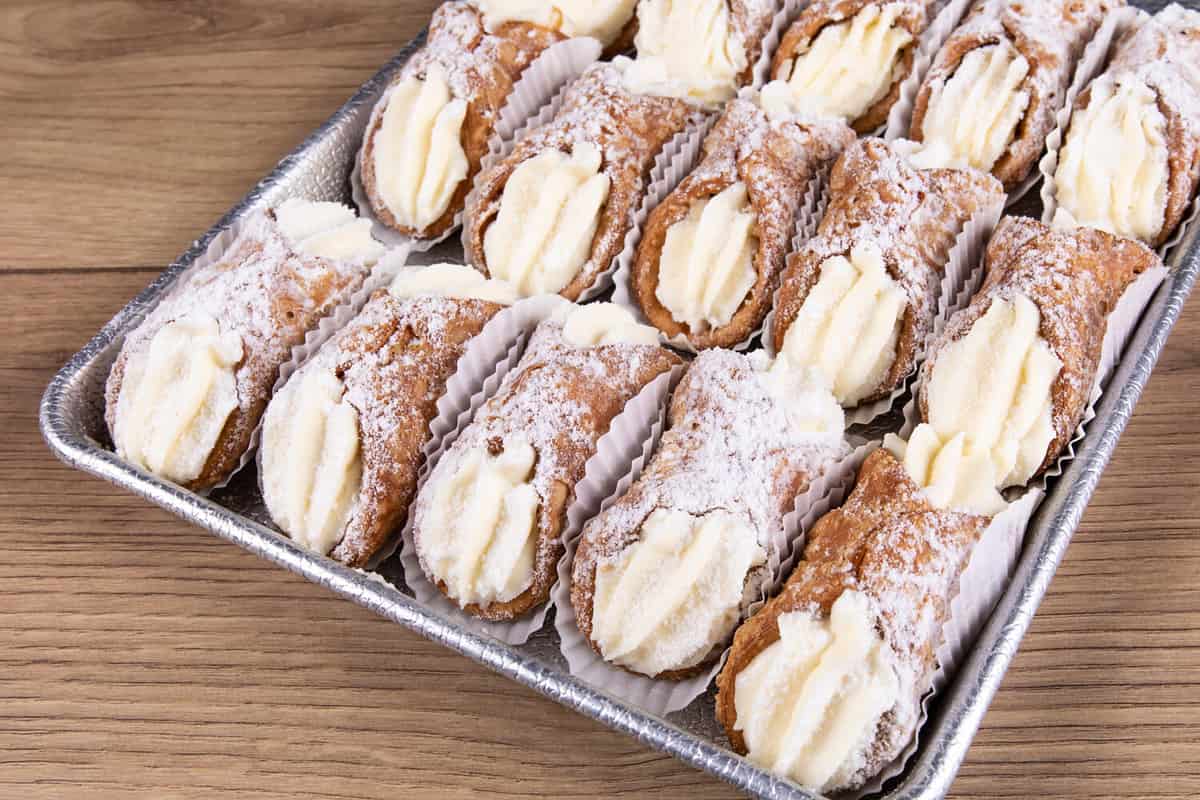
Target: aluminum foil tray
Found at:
x=73, y=425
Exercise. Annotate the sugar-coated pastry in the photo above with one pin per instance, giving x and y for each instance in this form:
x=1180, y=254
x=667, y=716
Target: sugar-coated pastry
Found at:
x=991, y=95
x=824, y=684
x=552, y=215
x=343, y=439
x=858, y=300
x=1130, y=160
x=847, y=59
x=709, y=260
x=429, y=132
x=662, y=576
x=1013, y=372
x=192, y=380
x=613, y=22
x=489, y=520
x=698, y=50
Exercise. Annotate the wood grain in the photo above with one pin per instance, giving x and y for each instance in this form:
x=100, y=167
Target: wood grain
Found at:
x=141, y=657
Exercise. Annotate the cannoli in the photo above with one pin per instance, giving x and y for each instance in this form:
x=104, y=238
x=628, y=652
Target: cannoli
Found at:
x=429, y=132
x=991, y=96
x=1014, y=371
x=551, y=216
x=192, y=380
x=847, y=59
x=824, y=684
x=663, y=576
x=699, y=50
x=857, y=301
x=344, y=438
x=489, y=520
x=612, y=22
x=711, y=253
x=1130, y=159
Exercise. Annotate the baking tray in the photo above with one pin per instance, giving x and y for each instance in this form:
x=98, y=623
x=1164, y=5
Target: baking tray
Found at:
x=72, y=422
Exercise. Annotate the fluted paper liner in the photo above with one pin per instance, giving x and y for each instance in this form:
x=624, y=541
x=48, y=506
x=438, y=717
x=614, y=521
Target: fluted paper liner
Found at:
x=694, y=131
x=995, y=556
x=377, y=276
x=1091, y=66
x=931, y=41
x=555, y=66
x=479, y=374
x=618, y=462
x=808, y=215
x=964, y=260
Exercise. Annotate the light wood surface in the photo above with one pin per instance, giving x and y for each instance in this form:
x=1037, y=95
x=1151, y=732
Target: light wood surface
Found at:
x=141, y=657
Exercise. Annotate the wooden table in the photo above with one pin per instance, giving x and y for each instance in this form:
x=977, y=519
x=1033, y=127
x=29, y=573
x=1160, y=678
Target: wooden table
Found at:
x=140, y=656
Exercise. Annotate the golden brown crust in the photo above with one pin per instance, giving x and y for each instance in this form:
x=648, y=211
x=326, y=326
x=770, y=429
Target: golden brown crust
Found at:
x=914, y=18
x=570, y=395
x=776, y=159
x=628, y=129
x=485, y=66
x=889, y=543
x=271, y=296
x=1075, y=278
x=394, y=360
x=727, y=447
x=913, y=215
x=1051, y=37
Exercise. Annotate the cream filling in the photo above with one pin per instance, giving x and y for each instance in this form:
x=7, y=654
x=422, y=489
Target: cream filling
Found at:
x=688, y=49
x=451, y=280
x=419, y=157
x=849, y=67
x=667, y=600
x=600, y=19
x=549, y=213
x=951, y=477
x=809, y=704
x=312, y=459
x=177, y=396
x=706, y=269
x=479, y=538
x=1112, y=171
x=973, y=117
x=603, y=323
x=328, y=230
x=849, y=324
x=993, y=387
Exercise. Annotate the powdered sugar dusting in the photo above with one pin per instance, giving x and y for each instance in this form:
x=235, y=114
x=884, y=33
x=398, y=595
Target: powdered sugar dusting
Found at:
x=732, y=444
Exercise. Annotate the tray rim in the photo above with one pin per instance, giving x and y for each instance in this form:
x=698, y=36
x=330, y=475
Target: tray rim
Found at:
x=959, y=710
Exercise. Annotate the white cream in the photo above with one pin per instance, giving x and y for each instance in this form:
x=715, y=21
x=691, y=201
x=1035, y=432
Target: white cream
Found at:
x=600, y=19
x=951, y=477
x=479, y=536
x=993, y=386
x=809, y=704
x=706, y=269
x=311, y=459
x=549, y=213
x=419, y=157
x=687, y=49
x=177, y=396
x=849, y=324
x=849, y=66
x=328, y=230
x=603, y=323
x=1112, y=170
x=972, y=118
x=451, y=280
x=667, y=600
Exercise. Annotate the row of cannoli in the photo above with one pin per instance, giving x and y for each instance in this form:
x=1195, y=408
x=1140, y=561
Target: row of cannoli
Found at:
x=825, y=684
